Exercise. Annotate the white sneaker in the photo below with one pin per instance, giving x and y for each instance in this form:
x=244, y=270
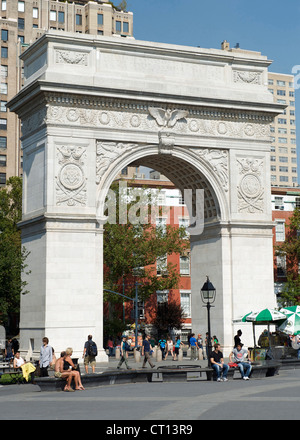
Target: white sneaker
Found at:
x=218, y=380
x=246, y=378
x=225, y=379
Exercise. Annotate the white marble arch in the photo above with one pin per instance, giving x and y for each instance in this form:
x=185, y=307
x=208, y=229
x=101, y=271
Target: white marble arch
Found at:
x=91, y=106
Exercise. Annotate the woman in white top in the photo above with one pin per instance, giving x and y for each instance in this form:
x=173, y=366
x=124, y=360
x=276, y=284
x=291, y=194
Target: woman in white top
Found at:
x=169, y=347
x=18, y=361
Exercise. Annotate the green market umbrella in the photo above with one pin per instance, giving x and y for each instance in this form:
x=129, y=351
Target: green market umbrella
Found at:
x=265, y=316
x=291, y=325
x=242, y=318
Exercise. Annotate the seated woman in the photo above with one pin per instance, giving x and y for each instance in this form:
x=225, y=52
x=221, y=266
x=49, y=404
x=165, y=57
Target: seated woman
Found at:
x=17, y=364
x=69, y=366
x=18, y=361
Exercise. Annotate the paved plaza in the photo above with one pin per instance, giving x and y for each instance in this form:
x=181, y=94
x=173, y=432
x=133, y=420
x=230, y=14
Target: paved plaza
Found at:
x=270, y=398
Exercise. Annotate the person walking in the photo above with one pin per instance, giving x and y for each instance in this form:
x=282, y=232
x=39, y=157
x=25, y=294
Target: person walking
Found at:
x=240, y=354
x=146, y=352
x=169, y=347
x=217, y=363
x=200, y=345
x=45, y=357
x=89, y=354
x=123, y=350
x=194, y=347
x=162, y=344
x=178, y=343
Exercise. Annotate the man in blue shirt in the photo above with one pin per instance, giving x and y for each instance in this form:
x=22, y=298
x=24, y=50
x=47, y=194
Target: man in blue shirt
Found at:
x=146, y=351
x=194, y=347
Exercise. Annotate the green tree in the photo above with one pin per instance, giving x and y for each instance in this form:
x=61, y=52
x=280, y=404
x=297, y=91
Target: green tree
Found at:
x=169, y=315
x=132, y=250
x=290, y=250
x=12, y=253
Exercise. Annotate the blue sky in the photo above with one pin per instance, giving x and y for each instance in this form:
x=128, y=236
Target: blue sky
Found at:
x=270, y=27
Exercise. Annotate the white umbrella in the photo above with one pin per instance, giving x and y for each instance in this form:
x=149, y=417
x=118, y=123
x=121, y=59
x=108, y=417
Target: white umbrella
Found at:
x=291, y=325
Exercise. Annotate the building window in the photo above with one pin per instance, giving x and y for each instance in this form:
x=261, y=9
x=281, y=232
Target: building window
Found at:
x=280, y=83
x=3, y=88
x=283, y=159
x=283, y=178
x=3, y=106
x=161, y=265
x=270, y=82
x=282, y=140
x=280, y=230
x=283, y=169
x=4, y=34
x=100, y=19
x=162, y=296
x=292, y=122
x=2, y=160
x=118, y=26
x=281, y=265
x=3, y=71
x=184, y=265
x=162, y=224
x=3, y=6
x=3, y=142
x=4, y=52
x=281, y=92
x=52, y=15
x=21, y=6
x=185, y=302
x=3, y=124
x=281, y=121
x=35, y=13
x=2, y=179
x=126, y=27
x=291, y=94
x=78, y=19
x=21, y=23
x=282, y=130
x=61, y=17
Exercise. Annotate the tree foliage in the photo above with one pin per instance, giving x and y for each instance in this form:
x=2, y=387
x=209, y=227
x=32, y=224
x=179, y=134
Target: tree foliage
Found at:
x=12, y=254
x=290, y=249
x=169, y=316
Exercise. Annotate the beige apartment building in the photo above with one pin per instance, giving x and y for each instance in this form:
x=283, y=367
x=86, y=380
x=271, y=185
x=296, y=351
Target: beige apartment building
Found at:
x=24, y=21
x=283, y=132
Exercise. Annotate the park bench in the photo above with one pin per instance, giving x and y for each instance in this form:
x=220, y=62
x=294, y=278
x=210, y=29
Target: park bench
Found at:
x=12, y=377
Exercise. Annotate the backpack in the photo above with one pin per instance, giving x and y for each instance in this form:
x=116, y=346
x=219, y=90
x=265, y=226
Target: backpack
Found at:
x=92, y=349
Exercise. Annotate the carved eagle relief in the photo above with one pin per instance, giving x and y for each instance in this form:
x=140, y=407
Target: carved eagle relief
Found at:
x=167, y=118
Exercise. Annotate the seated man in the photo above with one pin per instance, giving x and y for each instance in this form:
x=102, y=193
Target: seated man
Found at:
x=217, y=363
x=60, y=373
x=240, y=355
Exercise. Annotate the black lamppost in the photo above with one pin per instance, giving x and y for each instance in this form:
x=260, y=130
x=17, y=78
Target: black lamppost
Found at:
x=208, y=296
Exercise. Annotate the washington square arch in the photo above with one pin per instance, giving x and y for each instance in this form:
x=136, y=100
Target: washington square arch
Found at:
x=91, y=106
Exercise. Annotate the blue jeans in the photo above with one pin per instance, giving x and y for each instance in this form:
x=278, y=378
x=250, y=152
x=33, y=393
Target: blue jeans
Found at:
x=220, y=370
x=245, y=368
